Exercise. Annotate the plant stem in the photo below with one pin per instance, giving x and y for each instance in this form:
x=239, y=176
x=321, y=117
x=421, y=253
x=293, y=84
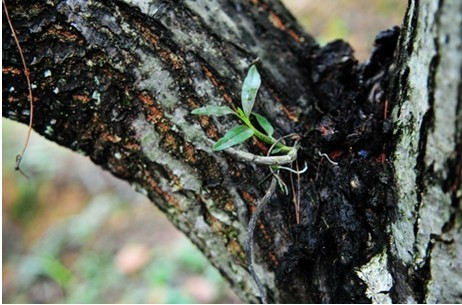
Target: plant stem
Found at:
x=265, y=138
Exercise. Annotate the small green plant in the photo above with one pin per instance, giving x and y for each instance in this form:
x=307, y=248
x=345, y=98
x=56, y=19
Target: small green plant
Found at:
x=245, y=131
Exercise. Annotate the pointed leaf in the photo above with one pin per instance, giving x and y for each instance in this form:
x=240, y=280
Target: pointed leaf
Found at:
x=213, y=110
x=264, y=124
x=250, y=88
x=233, y=137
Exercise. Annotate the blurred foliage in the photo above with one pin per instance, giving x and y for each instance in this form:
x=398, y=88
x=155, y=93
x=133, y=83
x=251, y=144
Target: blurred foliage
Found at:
x=74, y=234
x=357, y=22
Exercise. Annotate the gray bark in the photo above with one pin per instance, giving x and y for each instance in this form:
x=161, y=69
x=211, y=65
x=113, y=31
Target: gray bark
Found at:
x=425, y=239
x=116, y=80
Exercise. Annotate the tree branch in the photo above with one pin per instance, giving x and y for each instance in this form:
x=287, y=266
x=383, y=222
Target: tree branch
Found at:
x=117, y=80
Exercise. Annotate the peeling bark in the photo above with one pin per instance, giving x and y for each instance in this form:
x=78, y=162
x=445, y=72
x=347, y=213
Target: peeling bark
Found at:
x=116, y=80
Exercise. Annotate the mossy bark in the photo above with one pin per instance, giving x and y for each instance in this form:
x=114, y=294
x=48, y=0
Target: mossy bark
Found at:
x=116, y=80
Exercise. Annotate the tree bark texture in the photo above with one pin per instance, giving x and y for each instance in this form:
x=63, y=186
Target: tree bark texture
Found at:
x=117, y=80
x=426, y=240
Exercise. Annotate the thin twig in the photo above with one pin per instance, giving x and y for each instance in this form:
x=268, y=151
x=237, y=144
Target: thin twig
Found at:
x=31, y=98
x=305, y=168
x=18, y=163
x=294, y=200
x=250, y=231
x=327, y=157
x=261, y=205
x=297, y=216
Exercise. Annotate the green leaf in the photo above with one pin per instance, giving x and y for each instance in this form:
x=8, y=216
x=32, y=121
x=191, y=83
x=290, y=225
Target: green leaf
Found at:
x=250, y=88
x=264, y=124
x=276, y=150
x=233, y=137
x=213, y=110
x=57, y=271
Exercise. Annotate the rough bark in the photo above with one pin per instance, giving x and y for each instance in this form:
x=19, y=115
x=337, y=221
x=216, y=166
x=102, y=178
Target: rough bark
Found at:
x=116, y=80
x=425, y=244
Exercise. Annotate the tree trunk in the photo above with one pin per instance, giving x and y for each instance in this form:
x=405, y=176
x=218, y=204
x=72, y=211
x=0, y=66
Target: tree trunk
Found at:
x=426, y=240
x=379, y=211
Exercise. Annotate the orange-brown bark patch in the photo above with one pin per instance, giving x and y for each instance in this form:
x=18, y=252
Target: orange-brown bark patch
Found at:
x=64, y=35
x=149, y=36
x=214, y=223
x=235, y=249
x=169, y=142
x=11, y=70
x=228, y=98
x=210, y=76
x=189, y=152
x=111, y=138
x=261, y=145
x=146, y=98
x=294, y=35
x=212, y=133
x=81, y=98
x=289, y=114
x=154, y=115
x=163, y=127
x=12, y=99
x=192, y=103
x=133, y=146
x=229, y=206
x=273, y=258
x=156, y=188
x=277, y=21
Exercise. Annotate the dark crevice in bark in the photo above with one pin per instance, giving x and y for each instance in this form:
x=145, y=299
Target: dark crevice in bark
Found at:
x=421, y=168
x=401, y=280
x=409, y=47
x=344, y=225
x=453, y=181
x=422, y=275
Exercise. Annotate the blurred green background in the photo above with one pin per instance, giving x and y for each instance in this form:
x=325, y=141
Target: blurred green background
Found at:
x=75, y=234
